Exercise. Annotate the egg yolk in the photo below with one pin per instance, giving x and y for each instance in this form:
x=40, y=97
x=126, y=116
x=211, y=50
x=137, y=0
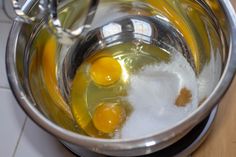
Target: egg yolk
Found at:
x=105, y=71
x=108, y=117
x=49, y=74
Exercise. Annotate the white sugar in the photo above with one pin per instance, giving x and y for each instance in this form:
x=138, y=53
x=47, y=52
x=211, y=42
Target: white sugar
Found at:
x=152, y=93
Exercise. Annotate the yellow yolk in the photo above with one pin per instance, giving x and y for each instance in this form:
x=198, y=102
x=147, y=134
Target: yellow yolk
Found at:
x=105, y=71
x=49, y=73
x=108, y=117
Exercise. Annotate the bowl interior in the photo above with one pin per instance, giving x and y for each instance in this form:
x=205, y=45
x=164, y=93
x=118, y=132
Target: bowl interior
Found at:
x=46, y=68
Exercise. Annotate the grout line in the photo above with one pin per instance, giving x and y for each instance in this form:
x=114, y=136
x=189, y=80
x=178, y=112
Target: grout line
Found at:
x=6, y=21
x=4, y=87
x=18, y=140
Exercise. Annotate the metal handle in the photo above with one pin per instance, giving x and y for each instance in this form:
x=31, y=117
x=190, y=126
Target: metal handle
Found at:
x=22, y=16
x=49, y=8
x=66, y=35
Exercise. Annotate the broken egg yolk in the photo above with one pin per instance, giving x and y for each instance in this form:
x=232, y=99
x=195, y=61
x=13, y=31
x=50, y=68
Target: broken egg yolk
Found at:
x=105, y=71
x=108, y=117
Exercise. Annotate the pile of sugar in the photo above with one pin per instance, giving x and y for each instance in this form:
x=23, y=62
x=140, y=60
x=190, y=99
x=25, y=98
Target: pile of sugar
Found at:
x=152, y=93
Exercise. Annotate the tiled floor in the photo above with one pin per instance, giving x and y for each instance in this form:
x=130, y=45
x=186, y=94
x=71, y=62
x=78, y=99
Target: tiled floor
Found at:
x=20, y=137
x=35, y=142
x=4, y=30
x=12, y=120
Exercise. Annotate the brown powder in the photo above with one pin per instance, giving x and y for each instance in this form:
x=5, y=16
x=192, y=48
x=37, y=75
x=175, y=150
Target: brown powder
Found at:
x=184, y=97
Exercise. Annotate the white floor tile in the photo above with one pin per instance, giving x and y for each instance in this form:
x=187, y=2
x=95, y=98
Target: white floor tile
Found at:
x=11, y=123
x=35, y=142
x=3, y=17
x=7, y=4
x=4, y=31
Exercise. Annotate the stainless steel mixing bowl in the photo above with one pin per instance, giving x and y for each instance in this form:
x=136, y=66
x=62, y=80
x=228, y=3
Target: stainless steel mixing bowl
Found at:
x=17, y=61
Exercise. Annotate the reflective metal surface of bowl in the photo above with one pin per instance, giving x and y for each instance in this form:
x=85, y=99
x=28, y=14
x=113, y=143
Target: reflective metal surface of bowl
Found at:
x=17, y=60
